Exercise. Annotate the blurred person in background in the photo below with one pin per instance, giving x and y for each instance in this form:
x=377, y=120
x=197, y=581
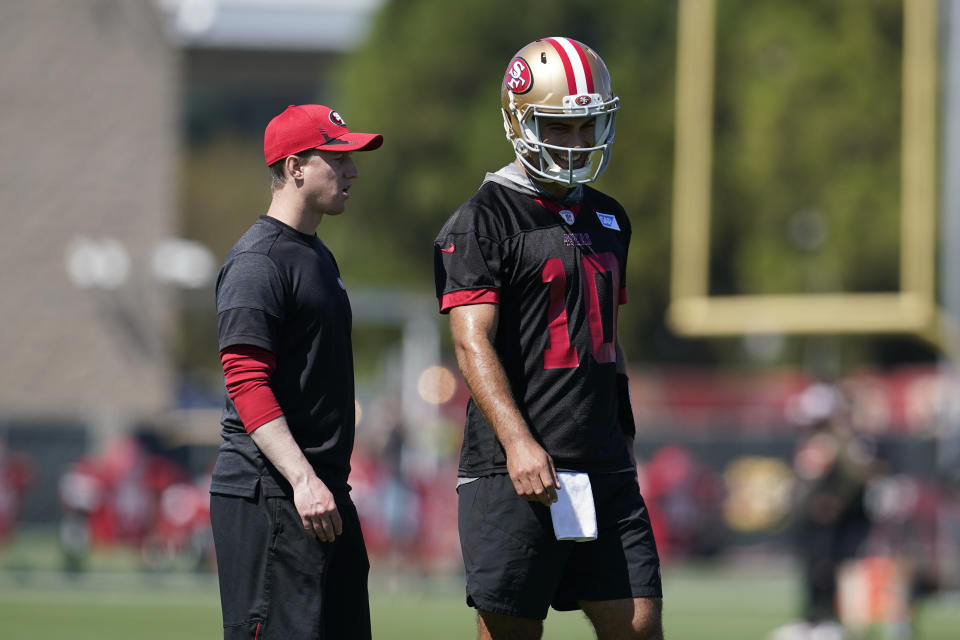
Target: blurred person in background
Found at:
x=531, y=270
x=290, y=553
x=833, y=464
x=133, y=493
x=16, y=474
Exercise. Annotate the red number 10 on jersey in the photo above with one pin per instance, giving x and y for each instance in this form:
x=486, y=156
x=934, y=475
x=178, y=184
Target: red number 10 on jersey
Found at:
x=561, y=354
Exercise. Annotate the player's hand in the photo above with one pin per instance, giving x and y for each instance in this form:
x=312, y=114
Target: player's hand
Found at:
x=317, y=509
x=531, y=470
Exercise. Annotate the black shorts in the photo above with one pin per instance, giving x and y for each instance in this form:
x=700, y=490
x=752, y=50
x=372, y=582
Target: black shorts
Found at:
x=515, y=565
x=279, y=583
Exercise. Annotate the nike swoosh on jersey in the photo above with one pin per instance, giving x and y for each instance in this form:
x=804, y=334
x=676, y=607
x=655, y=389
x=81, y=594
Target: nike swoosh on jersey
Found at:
x=448, y=249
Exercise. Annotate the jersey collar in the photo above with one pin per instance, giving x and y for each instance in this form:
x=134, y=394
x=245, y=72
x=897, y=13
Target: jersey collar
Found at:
x=557, y=208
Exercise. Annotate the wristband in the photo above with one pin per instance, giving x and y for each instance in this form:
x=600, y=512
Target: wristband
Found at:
x=624, y=407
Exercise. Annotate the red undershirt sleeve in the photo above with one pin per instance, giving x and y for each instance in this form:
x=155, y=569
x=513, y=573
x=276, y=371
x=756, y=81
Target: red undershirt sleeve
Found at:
x=469, y=296
x=247, y=371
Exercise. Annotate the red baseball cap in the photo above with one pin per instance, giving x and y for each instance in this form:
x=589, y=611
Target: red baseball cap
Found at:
x=312, y=126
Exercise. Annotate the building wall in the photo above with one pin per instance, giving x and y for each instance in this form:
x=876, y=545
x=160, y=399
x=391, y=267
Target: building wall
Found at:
x=89, y=129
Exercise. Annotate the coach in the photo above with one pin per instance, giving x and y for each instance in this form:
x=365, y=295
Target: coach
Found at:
x=291, y=558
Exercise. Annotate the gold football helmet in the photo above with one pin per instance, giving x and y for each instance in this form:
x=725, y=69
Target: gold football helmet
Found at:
x=558, y=78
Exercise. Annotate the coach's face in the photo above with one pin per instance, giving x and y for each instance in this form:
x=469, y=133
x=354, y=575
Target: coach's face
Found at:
x=327, y=177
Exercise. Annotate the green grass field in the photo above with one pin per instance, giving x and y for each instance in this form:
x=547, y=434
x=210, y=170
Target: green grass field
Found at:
x=736, y=601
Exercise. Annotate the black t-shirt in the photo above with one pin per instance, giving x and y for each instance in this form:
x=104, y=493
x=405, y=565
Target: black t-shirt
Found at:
x=559, y=281
x=280, y=290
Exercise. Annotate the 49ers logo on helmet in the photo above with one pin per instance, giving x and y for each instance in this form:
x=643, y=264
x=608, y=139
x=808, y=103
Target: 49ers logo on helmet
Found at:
x=336, y=119
x=518, y=77
x=584, y=100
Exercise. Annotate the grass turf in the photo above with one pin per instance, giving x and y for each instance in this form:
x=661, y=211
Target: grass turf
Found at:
x=735, y=600
x=700, y=603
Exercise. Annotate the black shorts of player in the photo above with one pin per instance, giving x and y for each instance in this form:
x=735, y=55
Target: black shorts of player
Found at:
x=515, y=565
x=279, y=583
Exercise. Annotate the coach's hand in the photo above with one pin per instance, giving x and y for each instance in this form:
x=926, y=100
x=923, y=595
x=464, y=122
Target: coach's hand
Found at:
x=313, y=500
x=531, y=470
x=317, y=509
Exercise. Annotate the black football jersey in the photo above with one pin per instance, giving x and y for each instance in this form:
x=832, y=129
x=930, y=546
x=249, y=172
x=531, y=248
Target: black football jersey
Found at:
x=558, y=277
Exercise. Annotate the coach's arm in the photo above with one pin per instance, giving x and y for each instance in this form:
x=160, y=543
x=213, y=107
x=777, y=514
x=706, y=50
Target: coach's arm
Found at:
x=313, y=500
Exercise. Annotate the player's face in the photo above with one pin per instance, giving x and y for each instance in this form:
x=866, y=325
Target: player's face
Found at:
x=327, y=177
x=574, y=133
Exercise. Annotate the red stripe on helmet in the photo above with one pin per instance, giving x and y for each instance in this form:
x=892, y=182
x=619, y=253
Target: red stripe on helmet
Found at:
x=567, y=66
x=586, y=66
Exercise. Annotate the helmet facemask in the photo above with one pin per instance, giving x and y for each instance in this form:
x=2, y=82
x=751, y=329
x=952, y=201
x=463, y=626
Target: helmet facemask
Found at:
x=536, y=156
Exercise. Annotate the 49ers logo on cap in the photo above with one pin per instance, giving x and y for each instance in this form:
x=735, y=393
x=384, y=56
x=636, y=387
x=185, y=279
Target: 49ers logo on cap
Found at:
x=336, y=119
x=518, y=77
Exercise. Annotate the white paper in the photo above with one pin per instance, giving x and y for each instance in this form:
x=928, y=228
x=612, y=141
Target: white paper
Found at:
x=574, y=516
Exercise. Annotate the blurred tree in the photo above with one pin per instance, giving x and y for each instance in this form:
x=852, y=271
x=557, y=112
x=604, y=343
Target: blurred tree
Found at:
x=806, y=150
x=429, y=79
x=807, y=130
x=807, y=163
x=225, y=187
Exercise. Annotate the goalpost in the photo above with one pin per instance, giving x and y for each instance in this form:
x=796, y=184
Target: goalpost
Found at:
x=913, y=309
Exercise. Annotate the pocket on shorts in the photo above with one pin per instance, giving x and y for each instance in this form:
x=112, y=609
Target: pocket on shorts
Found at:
x=467, y=497
x=275, y=510
x=503, y=530
x=249, y=630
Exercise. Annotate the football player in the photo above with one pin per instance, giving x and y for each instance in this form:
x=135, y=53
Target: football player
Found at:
x=531, y=270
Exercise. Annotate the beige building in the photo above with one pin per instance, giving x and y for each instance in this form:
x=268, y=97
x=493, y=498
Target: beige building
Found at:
x=99, y=100
x=89, y=126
